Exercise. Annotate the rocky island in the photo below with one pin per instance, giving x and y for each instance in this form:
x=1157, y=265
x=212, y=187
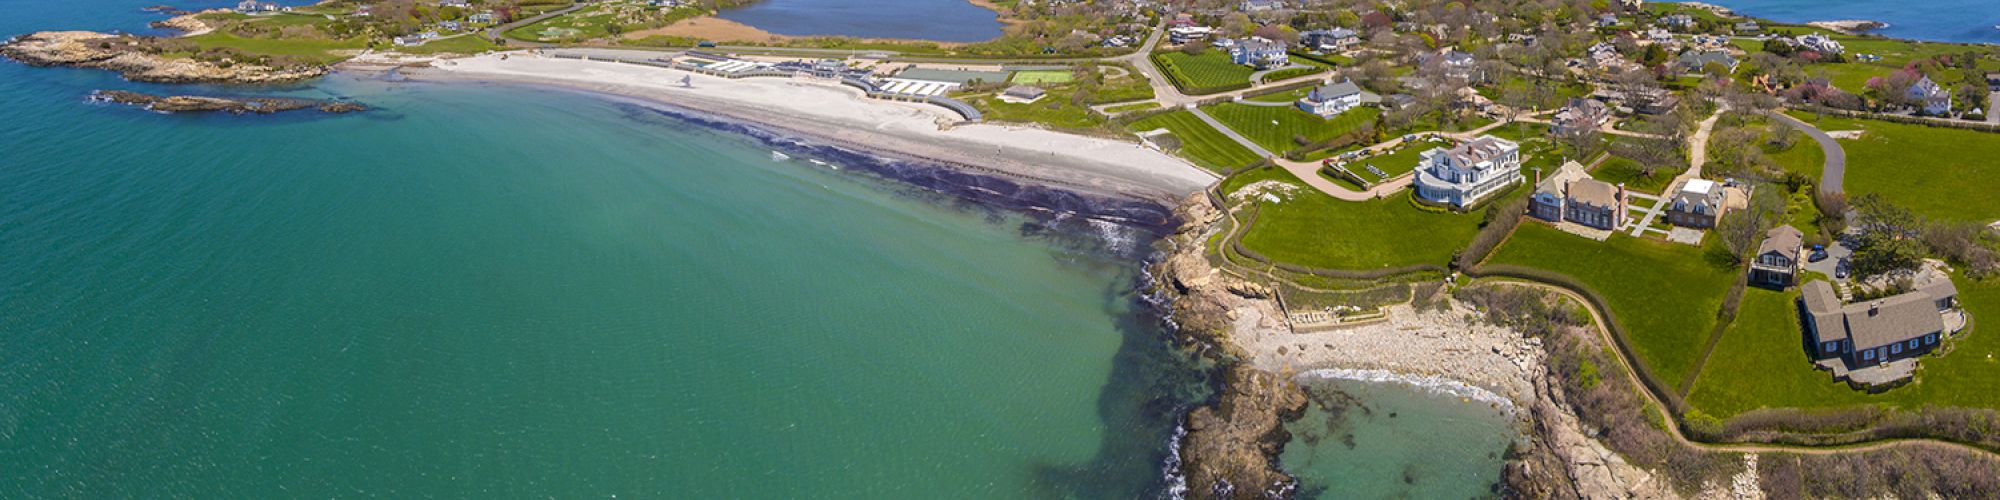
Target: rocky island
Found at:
x=240, y=106
x=141, y=61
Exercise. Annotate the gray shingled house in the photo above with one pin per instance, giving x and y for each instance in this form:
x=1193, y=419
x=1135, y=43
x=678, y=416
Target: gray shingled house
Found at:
x=1879, y=331
x=1777, y=262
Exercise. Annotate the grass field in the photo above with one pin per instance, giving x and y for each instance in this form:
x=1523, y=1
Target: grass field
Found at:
x=1316, y=230
x=1853, y=76
x=1042, y=76
x=1394, y=164
x=1210, y=71
x=317, y=51
x=1255, y=123
x=584, y=24
x=467, y=44
x=1054, y=110
x=1804, y=157
x=1761, y=362
x=1137, y=106
x=1619, y=169
x=1934, y=171
x=1200, y=143
x=1665, y=295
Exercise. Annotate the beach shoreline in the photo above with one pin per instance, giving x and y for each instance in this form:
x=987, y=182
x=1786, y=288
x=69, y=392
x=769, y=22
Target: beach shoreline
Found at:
x=839, y=116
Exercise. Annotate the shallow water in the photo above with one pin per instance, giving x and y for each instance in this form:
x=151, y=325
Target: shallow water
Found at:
x=1396, y=440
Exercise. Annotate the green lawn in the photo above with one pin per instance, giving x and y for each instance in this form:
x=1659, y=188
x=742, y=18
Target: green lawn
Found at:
x=1255, y=123
x=1937, y=172
x=1623, y=170
x=1289, y=73
x=1853, y=76
x=1137, y=106
x=1286, y=96
x=1316, y=230
x=1804, y=157
x=584, y=24
x=1761, y=362
x=1200, y=143
x=468, y=44
x=1210, y=71
x=318, y=51
x=1665, y=295
x=1043, y=76
x=1053, y=109
x=1400, y=162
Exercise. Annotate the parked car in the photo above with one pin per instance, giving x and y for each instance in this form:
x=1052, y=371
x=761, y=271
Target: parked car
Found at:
x=1818, y=254
x=1840, y=270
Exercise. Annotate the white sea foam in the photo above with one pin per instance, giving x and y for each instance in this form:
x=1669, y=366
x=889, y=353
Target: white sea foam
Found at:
x=1433, y=384
x=1177, y=487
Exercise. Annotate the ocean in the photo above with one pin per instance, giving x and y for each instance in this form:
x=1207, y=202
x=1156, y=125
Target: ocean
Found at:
x=503, y=291
x=1969, y=21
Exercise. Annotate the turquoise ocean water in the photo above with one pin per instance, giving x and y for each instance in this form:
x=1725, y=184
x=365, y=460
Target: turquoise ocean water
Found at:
x=500, y=291
x=1972, y=21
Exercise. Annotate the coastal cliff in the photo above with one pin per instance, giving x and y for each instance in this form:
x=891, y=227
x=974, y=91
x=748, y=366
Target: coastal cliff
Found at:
x=122, y=54
x=1231, y=445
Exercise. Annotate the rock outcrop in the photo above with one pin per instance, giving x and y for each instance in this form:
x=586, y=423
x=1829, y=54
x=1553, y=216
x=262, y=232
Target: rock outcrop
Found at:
x=189, y=24
x=88, y=49
x=1231, y=447
x=240, y=106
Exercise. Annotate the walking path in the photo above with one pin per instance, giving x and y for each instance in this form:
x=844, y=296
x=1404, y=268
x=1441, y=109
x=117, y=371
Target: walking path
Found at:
x=1219, y=127
x=1836, y=158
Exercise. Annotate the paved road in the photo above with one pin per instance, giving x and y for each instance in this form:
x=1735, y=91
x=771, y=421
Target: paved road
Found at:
x=1836, y=158
x=1993, y=108
x=497, y=31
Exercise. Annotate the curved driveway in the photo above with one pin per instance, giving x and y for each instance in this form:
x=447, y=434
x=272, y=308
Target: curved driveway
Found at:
x=1836, y=158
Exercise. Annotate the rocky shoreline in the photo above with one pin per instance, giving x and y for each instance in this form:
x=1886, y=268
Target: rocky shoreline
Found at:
x=124, y=55
x=1850, y=26
x=239, y=106
x=1231, y=446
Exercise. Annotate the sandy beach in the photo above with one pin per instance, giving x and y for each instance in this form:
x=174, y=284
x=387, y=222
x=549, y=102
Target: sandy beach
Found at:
x=844, y=117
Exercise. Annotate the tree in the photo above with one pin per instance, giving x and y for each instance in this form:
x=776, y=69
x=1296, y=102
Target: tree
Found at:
x=1887, y=239
x=1743, y=229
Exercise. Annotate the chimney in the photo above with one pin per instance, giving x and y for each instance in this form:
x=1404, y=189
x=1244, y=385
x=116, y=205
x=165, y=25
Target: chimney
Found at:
x=1874, y=308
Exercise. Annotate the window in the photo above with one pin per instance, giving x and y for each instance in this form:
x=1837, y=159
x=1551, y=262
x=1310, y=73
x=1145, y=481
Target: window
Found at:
x=1930, y=339
x=1868, y=354
x=1896, y=348
x=1832, y=346
x=1913, y=343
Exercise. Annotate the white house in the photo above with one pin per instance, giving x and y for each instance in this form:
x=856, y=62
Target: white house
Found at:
x=1934, y=99
x=1330, y=40
x=1468, y=173
x=1262, y=5
x=1184, y=34
x=1258, y=52
x=1336, y=98
x=1820, y=43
